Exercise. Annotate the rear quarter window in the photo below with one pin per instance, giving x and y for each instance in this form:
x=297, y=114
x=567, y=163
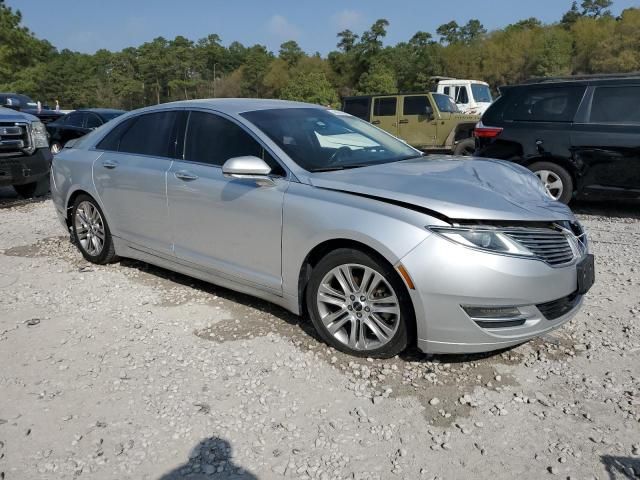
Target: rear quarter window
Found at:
x=542, y=104
x=616, y=105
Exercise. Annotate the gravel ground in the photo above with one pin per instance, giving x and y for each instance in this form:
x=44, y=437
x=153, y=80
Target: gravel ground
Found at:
x=132, y=372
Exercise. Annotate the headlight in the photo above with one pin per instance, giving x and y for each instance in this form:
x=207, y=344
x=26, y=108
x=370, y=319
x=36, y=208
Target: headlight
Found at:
x=483, y=239
x=39, y=135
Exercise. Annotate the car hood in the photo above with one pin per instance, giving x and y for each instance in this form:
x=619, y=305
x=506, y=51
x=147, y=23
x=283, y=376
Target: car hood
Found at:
x=469, y=189
x=8, y=115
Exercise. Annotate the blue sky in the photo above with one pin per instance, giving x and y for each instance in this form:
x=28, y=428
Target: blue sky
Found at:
x=88, y=25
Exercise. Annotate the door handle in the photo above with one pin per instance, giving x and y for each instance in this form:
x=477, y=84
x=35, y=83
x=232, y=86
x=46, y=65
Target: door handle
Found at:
x=186, y=176
x=376, y=122
x=404, y=121
x=110, y=164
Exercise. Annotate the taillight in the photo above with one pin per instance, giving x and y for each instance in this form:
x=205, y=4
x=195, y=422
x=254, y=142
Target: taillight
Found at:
x=486, y=132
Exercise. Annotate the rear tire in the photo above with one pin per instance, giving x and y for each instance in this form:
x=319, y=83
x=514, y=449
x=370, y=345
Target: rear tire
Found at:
x=465, y=148
x=366, y=312
x=557, y=180
x=34, y=189
x=91, y=232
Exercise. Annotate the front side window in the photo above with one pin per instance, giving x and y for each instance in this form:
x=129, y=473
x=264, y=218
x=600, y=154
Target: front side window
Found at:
x=415, y=105
x=461, y=95
x=616, y=105
x=150, y=134
x=384, y=107
x=213, y=140
x=358, y=107
x=320, y=140
x=445, y=104
x=544, y=104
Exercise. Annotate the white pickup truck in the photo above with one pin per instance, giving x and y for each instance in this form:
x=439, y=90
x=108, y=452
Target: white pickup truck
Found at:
x=472, y=96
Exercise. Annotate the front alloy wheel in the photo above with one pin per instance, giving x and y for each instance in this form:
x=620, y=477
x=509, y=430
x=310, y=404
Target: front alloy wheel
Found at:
x=359, y=305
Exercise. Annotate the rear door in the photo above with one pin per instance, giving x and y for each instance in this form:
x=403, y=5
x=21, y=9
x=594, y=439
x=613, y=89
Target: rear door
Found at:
x=415, y=125
x=385, y=114
x=130, y=177
x=607, y=141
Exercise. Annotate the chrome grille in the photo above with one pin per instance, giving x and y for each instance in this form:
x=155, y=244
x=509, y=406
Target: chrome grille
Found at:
x=13, y=137
x=551, y=246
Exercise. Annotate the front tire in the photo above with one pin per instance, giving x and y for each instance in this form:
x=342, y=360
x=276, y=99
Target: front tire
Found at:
x=556, y=179
x=359, y=304
x=465, y=148
x=91, y=232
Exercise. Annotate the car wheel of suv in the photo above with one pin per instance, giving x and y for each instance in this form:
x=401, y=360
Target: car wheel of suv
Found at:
x=90, y=231
x=56, y=148
x=465, y=148
x=359, y=305
x=34, y=189
x=556, y=179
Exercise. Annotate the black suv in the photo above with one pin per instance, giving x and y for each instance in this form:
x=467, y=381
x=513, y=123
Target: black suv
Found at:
x=580, y=135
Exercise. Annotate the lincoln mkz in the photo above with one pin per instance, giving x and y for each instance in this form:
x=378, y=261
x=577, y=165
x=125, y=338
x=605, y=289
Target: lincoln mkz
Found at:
x=330, y=217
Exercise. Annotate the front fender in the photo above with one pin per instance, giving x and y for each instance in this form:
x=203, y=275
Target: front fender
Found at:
x=312, y=216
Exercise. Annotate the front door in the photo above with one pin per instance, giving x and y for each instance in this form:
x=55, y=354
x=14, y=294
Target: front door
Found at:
x=229, y=226
x=384, y=114
x=607, y=145
x=130, y=177
x=416, y=124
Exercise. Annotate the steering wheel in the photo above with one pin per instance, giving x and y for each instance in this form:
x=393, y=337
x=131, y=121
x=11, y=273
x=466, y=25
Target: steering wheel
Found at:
x=342, y=151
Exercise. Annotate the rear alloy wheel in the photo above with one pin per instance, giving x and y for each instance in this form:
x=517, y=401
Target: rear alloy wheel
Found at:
x=556, y=180
x=91, y=232
x=359, y=305
x=465, y=148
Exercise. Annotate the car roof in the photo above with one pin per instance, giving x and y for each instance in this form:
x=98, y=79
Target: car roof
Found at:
x=232, y=106
x=97, y=110
x=605, y=79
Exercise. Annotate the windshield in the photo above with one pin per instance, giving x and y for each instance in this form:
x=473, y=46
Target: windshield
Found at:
x=481, y=93
x=445, y=104
x=318, y=139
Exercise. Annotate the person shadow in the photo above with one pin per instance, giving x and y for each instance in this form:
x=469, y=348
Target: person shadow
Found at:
x=210, y=459
x=621, y=468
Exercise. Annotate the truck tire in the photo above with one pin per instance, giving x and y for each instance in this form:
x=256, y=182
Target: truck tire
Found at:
x=465, y=148
x=34, y=189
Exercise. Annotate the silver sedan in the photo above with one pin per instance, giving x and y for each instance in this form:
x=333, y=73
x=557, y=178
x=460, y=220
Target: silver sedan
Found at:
x=330, y=217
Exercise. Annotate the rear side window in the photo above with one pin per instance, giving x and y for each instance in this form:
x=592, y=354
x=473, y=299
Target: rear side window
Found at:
x=213, y=139
x=75, y=119
x=93, y=121
x=543, y=104
x=358, y=107
x=150, y=134
x=616, y=105
x=384, y=107
x=415, y=105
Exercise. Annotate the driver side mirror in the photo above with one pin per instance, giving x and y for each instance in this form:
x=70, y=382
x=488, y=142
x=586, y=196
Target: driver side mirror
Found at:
x=248, y=168
x=12, y=103
x=428, y=111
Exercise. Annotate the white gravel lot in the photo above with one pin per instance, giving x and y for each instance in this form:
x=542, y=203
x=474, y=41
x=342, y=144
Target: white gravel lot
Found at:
x=132, y=372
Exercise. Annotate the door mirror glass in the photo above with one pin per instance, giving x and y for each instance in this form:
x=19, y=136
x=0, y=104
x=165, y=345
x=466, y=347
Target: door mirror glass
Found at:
x=247, y=167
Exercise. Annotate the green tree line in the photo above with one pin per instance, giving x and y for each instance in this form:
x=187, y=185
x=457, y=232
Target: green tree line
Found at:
x=587, y=39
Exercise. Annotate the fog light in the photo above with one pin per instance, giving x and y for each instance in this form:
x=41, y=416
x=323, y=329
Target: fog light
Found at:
x=495, y=317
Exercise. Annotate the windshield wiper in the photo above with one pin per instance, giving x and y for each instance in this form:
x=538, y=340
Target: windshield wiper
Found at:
x=339, y=167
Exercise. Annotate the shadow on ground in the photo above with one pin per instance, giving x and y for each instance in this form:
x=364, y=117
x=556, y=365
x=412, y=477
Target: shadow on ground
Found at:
x=621, y=468
x=609, y=208
x=210, y=458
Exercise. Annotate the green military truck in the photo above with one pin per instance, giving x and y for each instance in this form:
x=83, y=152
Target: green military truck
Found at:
x=428, y=121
